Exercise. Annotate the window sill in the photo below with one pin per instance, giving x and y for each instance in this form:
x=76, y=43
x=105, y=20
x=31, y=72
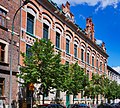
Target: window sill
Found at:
x=4, y=28
x=68, y=54
x=88, y=64
x=76, y=58
x=30, y=34
x=58, y=48
x=4, y=64
x=82, y=61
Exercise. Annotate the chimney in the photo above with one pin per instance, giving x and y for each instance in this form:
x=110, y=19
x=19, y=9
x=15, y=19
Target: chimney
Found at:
x=90, y=28
x=68, y=5
x=66, y=10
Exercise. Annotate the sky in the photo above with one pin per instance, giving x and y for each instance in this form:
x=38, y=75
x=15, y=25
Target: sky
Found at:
x=105, y=15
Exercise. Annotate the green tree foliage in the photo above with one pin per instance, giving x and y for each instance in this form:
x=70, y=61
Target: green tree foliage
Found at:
x=42, y=67
x=76, y=79
x=111, y=89
x=95, y=88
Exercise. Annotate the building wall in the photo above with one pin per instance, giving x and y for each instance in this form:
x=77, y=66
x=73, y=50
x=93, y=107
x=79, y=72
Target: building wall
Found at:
x=9, y=7
x=44, y=12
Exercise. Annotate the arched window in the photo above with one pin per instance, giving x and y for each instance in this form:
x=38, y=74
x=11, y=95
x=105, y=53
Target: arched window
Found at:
x=68, y=44
x=31, y=16
x=45, y=31
x=93, y=61
x=88, y=58
x=82, y=55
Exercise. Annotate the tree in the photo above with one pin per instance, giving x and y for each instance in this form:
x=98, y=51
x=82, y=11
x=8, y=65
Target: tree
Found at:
x=76, y=80
x=111, y=89
x=42, y=67
x=95, y=88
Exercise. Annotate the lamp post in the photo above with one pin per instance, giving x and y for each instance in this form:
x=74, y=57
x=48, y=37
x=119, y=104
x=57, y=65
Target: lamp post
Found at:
x=11, y=51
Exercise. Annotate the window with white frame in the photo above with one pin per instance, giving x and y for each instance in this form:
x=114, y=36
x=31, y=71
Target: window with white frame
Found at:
x=97, y=63
x=28, y=53
x=67, y=45
x=1, y=86
x=75, y=50
x=3, y=20
x=57, y=40
x=2, y=52
x=30, y=23
x=82, y=55
x=45, y=31
x=100, y=66
x=88, y=58
x=93, y=61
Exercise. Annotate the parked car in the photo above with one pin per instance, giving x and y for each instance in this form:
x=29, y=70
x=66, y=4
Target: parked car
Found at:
x=115, y=105
x=82, y=105
x=51, y=106
x=104, y=105
x=70, y=105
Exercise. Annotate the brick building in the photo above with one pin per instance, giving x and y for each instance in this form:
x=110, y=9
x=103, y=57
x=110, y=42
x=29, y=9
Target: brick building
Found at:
x=7, y=10
x=44, y=19
x=114, y=76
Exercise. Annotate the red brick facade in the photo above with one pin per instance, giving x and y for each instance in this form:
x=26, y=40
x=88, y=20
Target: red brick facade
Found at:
x=7, y=10
x=62, y=21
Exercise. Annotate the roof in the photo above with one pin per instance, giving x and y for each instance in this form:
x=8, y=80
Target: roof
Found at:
x=112, y=70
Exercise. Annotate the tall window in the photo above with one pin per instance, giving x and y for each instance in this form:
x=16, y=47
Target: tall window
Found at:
x=57, y=40
x=92, y=60
x=45, y=31
x=28, y=53
x=88, y=58
x=1, y=86
x=2, y=52
x=67, y=46
x=3, y=17
x=104, y=67
x=100, y=66
x=97, y=63
x=75, y=50
x=30, y=23
x=82, y=55
x=88, y=74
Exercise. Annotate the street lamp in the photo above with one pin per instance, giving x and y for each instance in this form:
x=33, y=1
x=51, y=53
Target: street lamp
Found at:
x=11, y=52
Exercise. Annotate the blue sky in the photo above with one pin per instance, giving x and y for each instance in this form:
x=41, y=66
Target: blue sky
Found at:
x=106, y=18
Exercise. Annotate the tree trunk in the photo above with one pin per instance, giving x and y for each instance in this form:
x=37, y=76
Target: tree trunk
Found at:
x=97, y=100
x=43, y=98
x=108, y=100
x=93, y=101
x=73, y=98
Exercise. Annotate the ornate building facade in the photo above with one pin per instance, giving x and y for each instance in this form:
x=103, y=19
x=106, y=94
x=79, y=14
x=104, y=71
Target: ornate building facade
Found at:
x=7, y=10
x=44, y=19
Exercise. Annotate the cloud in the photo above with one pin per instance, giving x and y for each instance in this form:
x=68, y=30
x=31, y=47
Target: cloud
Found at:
x=98, y=42
x=117, y=69
x=82, y=17
x=100, y=3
